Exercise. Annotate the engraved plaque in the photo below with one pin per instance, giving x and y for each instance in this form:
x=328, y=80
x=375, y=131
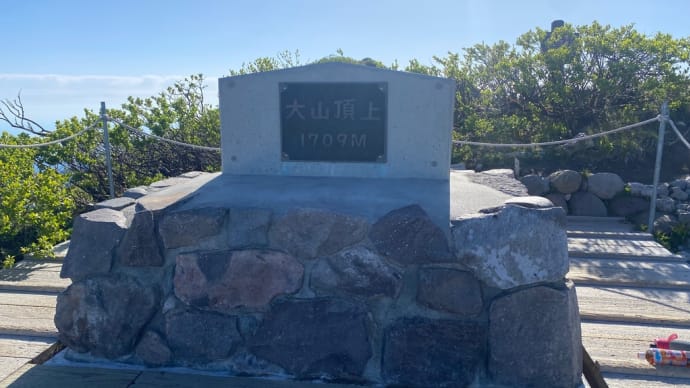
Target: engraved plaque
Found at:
x=333, y=122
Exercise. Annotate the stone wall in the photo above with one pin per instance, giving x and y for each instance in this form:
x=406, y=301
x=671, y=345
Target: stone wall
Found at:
x=605, y=194
x=316, y=294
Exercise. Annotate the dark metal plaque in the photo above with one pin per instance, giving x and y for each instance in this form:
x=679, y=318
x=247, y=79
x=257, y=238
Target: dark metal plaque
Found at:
x=333, y=122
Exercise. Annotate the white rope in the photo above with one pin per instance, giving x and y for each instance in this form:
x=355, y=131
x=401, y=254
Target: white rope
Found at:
x=682, y=139
x=580, y=137
x=139, y=131
x=58, y=141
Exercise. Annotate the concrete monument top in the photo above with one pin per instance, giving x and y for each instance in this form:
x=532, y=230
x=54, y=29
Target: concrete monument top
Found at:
x=337, y=120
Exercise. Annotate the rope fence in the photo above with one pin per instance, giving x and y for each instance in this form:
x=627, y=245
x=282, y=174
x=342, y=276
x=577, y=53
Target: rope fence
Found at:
x=53, y=142
x=663, y=119
x=152, y=136
x=580, y=137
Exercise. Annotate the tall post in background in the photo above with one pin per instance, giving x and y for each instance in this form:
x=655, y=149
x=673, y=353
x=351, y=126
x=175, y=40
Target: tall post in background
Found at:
x=657, y=166
x=106, y=141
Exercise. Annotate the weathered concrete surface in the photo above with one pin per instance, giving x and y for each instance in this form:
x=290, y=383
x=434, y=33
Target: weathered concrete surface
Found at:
x=468, y=197
x=367, y=198
x=419, y=106
x=515, y=246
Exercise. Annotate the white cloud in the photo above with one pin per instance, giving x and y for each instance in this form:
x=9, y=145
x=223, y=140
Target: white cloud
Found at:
x=51, y=97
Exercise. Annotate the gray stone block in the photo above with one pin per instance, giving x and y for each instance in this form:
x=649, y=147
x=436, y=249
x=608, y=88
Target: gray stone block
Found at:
x=104, y=315
x=450, y=290
x=355, y=271
x=153, y=350
x=605, y=185
x=95, y=236
x=665, y=223
x=315, y=338
x=115, y=203
x=309, y=233
x=198, y=336
x=536, y=185
x=249, y=228
x=189, y=227
x=408, y=236
x=586, y=204
x=666, y=205
x=627, y=206
x=565, y=181
x=225, y=280
x=433, y=353
x=136, y=192
x=532, y=202
x=535, y=339
x=559, y=200
x=514, y=247
x=679, y=194
x=139, y=247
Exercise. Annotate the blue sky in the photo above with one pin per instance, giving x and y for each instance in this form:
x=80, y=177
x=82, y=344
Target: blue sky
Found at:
x=68, y=55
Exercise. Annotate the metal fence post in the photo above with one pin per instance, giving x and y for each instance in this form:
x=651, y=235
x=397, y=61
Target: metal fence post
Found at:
x=106, y=141
x=657, y=166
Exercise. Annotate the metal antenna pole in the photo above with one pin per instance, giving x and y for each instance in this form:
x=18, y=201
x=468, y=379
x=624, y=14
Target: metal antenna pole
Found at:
x=657, y=166
x=106, y=141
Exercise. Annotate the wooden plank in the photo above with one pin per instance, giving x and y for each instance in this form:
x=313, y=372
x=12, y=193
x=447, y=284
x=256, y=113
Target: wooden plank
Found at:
x=610, y=235
x=613, y=246
x=650, y=305
x=23, y=346
x=615, y=347
x=38, y=264
x=618, y=380
x=19, y=298
x=32, y=280
x=661, y=274
x=23, y=320
x=44, y=376
x=8, y=365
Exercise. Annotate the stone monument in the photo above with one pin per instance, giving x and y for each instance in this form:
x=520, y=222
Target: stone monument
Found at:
x=324, y=251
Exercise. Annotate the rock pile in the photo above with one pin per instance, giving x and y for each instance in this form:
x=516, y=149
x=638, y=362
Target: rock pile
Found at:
x=605, y=194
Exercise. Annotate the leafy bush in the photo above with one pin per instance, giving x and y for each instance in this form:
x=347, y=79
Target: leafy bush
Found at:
x=672, y=241
x=36, y=205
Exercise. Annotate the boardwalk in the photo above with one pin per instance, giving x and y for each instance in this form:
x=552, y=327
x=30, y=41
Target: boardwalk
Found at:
x=27, y=305
x=630, y=291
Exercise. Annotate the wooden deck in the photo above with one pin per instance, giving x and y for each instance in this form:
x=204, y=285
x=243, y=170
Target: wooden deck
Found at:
x=630, y=291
